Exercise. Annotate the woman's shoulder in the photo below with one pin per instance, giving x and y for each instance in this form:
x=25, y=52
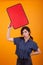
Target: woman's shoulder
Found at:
x=34, y=42
x=19, y=38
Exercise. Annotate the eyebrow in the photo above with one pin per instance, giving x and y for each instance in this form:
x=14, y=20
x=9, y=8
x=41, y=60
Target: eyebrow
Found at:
x=24, y=31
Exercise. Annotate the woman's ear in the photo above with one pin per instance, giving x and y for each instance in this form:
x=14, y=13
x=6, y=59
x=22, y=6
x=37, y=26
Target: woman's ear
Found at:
x=29, y=33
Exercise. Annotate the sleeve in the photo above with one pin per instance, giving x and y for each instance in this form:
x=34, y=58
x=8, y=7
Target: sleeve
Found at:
x=35, y=46
x=16, y=40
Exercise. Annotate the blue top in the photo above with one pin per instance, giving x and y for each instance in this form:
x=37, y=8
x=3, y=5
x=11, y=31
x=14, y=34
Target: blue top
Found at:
x=23, y=49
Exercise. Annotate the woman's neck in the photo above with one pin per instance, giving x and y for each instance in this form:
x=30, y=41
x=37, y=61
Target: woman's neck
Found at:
x=26, y=39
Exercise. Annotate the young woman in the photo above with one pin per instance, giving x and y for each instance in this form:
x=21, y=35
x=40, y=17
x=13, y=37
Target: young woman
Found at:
x=25, y=46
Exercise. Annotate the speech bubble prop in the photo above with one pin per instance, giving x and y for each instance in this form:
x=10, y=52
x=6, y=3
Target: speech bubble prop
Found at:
x=17, y=16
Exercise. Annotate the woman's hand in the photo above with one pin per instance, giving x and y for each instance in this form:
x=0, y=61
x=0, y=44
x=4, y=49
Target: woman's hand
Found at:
x=9, y=27
x=36, y=52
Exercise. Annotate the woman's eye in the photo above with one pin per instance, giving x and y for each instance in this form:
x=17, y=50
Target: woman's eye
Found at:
x=25, y=32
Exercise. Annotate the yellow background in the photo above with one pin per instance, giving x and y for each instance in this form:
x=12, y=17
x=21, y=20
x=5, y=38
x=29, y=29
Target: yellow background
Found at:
x=34, y=12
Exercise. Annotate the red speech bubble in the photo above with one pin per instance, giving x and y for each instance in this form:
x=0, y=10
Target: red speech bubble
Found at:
x=17, y=16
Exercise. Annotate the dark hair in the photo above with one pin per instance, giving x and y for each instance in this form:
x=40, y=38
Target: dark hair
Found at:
x=28, y=29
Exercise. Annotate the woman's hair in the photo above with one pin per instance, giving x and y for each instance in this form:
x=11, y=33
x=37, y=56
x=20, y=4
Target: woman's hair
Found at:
x=28, y=29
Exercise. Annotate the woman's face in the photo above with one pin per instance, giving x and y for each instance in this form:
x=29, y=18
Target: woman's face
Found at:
x=25, y=33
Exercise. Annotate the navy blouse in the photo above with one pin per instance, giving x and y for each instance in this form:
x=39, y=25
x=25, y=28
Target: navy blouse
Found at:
x=24, y=49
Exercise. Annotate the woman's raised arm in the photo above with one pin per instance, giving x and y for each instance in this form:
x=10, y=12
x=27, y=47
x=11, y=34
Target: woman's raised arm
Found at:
x=8, y=34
